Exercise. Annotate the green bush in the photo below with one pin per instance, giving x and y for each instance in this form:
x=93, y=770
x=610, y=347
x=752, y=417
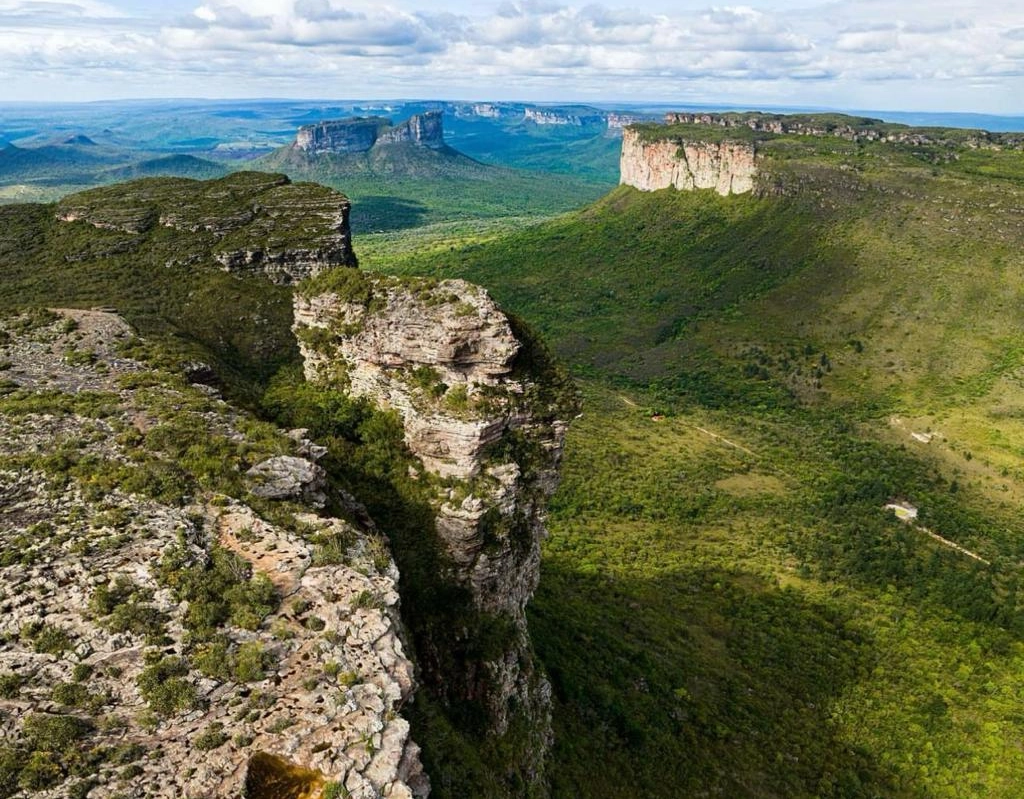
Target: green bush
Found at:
x=10, y=685
x=211, y=738
x=251, y=662
x=165, y=687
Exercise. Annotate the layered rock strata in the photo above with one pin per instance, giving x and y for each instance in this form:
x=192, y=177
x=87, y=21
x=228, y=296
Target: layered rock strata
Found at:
x=361, y=134
x=488, y=427
x=110, y=644
x=728, y=167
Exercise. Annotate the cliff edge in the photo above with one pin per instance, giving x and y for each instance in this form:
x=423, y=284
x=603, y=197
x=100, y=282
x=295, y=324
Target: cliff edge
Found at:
x=180, y=617
x=361, y=134
x=485, y=413
x=650, y=162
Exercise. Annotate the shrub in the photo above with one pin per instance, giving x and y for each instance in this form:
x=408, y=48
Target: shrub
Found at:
x=40, y=771
x=334, y=790
x=10, y=685
x=46, y=638
x=251, y=662
x=165, y=688
x=50, y=733
x=211, y=738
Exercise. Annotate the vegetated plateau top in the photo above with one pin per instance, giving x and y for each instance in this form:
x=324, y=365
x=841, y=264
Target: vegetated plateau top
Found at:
x=755, y=126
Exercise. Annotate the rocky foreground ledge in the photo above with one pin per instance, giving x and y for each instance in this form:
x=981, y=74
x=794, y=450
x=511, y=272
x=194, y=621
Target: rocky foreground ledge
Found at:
x=177, y=616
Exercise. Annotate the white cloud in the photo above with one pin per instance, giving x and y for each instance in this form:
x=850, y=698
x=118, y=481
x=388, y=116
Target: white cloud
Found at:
x=761, y=48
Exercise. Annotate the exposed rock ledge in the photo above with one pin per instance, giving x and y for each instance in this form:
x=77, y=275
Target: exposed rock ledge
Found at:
x=727, y=167
x=89, y=601
x=247, y=222
x=484, y=410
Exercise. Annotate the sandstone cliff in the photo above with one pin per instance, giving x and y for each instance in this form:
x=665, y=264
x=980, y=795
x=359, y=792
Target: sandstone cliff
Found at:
x=728, y=167
x=168, y=628
x=360, y=135
x=557, y=116
x=487, y=420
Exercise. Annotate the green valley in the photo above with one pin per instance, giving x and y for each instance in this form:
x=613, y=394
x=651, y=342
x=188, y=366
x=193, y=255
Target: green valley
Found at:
x=726, y=609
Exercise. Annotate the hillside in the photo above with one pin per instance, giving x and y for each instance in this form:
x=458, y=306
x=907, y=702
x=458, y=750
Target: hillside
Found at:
x=726, y=607
x=177, y=166
x=182, y=261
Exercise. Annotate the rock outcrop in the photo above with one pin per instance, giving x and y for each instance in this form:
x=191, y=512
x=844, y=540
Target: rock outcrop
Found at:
x=486, y=415
x=649, y=164
x=158, y=636
x=361, y=134
x=554, y=116
x=248, y=222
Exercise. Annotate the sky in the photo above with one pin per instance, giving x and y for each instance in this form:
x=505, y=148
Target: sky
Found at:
x=938, y=55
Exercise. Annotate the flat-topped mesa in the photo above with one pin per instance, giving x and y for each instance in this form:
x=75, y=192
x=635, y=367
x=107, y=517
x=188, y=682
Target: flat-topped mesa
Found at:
x=247, y=222
x=361, y=134
x=559, y=116
x=485, y=411
x=650, y=163
x=851, y=128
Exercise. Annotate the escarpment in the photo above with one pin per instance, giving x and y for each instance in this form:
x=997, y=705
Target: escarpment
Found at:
x=651, y=163
x=485, y=412
x=360, y=134
x=179, y=616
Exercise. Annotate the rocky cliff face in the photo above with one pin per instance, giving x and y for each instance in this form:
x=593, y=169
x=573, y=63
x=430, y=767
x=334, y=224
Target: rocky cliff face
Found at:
x=247, y=222
x=165, y=631
x=362, y=134
x=543, y=116
x=488, y=428
x=340, y=136
x=727, y=167
x=423, y=130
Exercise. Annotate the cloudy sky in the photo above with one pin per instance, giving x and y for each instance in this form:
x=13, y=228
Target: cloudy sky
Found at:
x=943, y=55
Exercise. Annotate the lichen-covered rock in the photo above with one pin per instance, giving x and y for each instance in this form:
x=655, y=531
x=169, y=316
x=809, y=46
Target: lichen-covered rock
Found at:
x=289, y=477
x=159, y=637
x=728, y=167
x=485, y=413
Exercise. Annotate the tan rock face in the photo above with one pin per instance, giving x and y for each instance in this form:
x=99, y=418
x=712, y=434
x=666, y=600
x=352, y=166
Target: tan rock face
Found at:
x=361, y=134
x=448, y=361
x=726, y=167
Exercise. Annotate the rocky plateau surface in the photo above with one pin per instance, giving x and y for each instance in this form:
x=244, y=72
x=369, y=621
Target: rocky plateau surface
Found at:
x=177, y=616
x=855, y=129
x=247, y=222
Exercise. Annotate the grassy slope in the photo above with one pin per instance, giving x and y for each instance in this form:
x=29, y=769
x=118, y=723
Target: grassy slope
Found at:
x=725, y=608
